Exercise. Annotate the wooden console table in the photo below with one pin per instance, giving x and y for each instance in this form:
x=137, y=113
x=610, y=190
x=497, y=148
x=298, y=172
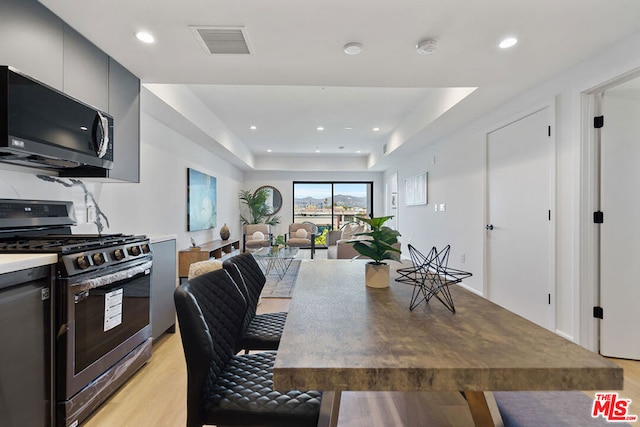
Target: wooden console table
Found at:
x=217, y=249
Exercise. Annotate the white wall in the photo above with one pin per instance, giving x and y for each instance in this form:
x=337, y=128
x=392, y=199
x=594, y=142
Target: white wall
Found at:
x=283, y=181
x=158, y=204
x=458, y=179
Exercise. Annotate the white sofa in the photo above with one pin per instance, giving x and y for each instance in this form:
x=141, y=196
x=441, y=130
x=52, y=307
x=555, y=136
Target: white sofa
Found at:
x=337, y=242
x=338, y=248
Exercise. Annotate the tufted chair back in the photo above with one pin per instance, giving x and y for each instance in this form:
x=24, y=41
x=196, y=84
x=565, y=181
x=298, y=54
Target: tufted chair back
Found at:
x=246, y=272
x=210, y=311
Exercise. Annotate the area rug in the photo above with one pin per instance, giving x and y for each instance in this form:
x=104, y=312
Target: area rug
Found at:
x=276, y=288
x=548, y=408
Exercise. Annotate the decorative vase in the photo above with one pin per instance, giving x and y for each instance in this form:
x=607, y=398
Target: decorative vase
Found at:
x=224, y=232
x=376, y=275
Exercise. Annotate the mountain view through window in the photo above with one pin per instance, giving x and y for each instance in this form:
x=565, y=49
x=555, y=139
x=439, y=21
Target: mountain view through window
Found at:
x=330, y=205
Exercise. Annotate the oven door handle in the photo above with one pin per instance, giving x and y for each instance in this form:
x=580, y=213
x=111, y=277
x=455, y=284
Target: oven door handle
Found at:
x=114, y=277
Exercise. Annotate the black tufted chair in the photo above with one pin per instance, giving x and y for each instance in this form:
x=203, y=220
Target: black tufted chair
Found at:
x=259, y=331
x=223, y=388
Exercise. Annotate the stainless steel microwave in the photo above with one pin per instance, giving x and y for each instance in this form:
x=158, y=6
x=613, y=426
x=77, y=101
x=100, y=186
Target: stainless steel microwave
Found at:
x=45, y=128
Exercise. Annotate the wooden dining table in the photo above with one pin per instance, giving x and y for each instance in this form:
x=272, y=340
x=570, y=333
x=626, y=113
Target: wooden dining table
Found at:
x=342, y=336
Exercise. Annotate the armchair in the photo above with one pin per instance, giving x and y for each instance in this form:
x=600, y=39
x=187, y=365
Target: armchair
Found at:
x=256, y=236
x=303, y=235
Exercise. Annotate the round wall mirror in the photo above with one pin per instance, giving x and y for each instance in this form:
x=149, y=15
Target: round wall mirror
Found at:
x=274, y=198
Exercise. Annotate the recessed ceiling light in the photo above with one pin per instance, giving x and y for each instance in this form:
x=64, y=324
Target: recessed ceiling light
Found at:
x=352, y=48
x=320, y=128
x=145, y=37
x=253, y=127
x=347, y=128
x=508, y=42
x=317, y=150
x=269, y=150
x=376, y=129
x=84, y=128
x=358, y=151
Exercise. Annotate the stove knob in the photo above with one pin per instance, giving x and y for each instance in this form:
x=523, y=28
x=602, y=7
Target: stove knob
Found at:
x=134, y=250
x=118, y=254
x=83, y=262
x=98, y=259
x=145, y=248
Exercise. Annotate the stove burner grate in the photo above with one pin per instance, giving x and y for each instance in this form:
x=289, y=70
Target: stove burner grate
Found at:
x=65, y=243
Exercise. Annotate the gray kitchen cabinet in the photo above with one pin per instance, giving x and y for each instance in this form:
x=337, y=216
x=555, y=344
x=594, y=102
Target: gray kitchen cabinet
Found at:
x=86, y=70
x=38, y=43
x=163, y=284
x=124, y=106
x=31, y=40
x=27, y=351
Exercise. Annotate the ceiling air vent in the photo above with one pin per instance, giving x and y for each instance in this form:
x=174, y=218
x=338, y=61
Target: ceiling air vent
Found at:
x=222, y=40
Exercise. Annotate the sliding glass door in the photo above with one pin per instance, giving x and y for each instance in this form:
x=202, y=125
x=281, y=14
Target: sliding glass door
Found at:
x=330, y=205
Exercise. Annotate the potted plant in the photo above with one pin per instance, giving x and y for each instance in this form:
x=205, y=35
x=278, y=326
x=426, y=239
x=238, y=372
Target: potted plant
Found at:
x=259, y=211
x=378, y=244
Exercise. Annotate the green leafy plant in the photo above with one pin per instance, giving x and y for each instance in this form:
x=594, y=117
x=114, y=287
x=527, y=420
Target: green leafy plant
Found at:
x=259, y=211
x=321, y=240
x=280, y=240
x=379, y=245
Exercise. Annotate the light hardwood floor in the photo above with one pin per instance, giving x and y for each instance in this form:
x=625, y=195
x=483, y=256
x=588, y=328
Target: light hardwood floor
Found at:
x=156, y=395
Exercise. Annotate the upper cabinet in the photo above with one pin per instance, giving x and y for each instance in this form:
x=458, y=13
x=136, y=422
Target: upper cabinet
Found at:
x=31, y=40
x=86, y=70
x=124, y=106
x=41, y=45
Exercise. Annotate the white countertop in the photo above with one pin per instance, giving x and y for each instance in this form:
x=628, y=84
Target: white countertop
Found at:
x=15, y=262
x=157, y=238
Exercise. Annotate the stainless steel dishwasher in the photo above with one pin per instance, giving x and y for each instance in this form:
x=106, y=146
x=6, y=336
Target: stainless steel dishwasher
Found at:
x=26, y=348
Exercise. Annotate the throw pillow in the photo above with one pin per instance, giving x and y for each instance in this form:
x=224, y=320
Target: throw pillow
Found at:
x=258, y=235
x=301, y=233
x=201, y=267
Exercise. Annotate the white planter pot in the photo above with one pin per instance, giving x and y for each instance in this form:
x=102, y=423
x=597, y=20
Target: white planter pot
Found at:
x=376, y=276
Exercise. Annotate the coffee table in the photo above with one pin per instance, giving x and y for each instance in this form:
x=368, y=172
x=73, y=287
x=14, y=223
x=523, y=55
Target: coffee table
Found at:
x=279, y=260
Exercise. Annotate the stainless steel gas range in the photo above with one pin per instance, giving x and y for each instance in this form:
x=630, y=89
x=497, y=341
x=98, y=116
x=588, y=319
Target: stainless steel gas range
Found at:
x=101, y=301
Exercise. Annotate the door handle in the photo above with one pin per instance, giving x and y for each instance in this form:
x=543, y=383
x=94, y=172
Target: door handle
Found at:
x=488, y=227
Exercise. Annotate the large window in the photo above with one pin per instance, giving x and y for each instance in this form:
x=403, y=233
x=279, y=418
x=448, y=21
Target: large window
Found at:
x=329, y=205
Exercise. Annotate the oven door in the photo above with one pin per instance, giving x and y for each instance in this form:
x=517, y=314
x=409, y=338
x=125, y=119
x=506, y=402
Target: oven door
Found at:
x=103, y=319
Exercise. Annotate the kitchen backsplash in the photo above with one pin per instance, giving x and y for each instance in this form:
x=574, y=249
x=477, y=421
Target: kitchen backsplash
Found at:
x=15, y=184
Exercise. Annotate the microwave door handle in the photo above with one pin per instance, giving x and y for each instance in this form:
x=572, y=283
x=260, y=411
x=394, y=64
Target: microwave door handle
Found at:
x=102, y=135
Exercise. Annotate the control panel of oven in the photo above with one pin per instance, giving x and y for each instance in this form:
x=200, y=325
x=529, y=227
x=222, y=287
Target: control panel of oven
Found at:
x=101, y=258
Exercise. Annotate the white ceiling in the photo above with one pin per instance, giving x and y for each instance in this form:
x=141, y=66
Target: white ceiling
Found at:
x=298, y=78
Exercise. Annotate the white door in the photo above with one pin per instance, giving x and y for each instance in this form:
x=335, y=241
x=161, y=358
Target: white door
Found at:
x=519, y=230
x=620, y=231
